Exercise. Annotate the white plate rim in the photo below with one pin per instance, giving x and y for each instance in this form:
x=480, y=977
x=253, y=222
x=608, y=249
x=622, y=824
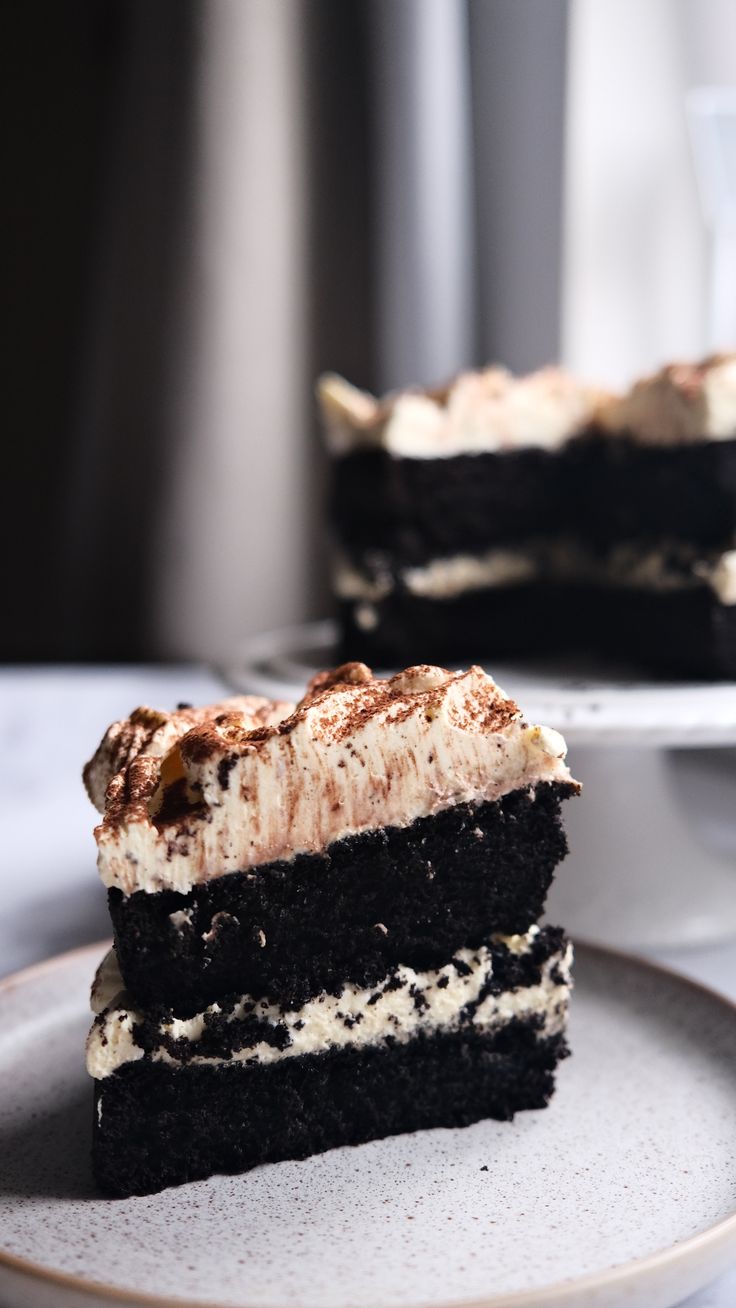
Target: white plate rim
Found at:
x=720, y=1236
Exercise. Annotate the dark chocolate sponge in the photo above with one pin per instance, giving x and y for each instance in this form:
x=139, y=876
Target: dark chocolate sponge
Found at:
x=223, y=1034
x=161, y=1125
x=598, y=489
x=288, y=930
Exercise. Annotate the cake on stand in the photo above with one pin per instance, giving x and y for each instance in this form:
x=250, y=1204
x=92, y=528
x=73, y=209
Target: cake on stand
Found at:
x=653, y=846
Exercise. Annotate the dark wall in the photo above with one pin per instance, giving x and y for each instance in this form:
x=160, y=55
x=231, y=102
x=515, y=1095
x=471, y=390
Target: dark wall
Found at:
x=97, y=124
x=59, y=63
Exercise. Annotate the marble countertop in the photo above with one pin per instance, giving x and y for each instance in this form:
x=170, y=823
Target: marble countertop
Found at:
x=50, y=720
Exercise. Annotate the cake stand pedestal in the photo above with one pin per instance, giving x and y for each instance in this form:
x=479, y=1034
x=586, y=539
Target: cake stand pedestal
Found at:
x=653, y=840
x=642, y=872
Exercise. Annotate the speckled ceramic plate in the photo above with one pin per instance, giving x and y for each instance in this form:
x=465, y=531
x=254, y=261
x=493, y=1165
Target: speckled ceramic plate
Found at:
x=623, y=1191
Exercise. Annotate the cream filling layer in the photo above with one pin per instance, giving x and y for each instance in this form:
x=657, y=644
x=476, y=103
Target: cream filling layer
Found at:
x=461, y=573
x=406, y=1004
x=445, y=739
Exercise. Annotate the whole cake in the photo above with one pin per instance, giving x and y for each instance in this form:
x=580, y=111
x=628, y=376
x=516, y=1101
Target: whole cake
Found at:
x=325, y=922
x=505, y=515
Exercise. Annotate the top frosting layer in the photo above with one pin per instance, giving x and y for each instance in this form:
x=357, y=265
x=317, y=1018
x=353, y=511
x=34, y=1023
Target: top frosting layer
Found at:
x=479, y=412
x=153, y=732
x=680, y=404
x=357, y=753
x=492, y=411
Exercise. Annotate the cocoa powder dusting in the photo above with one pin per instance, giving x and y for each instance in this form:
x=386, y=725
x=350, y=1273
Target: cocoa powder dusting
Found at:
x=339, y=704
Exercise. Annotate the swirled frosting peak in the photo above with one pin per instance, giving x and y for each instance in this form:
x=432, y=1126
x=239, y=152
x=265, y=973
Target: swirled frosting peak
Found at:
x=680, y=404
x=479, y=412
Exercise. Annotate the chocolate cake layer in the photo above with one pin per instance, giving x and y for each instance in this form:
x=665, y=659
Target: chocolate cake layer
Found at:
x=628, y=491
x=157, y=1125
x=415, y=509
x=683, y=632
x=361, y=507
x=598, y=488
x=497, y=622
x=287, y=930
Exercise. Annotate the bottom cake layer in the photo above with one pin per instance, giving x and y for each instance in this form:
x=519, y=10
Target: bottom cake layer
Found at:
x=158, y=1125
x=681, y=632
x=247, y=1081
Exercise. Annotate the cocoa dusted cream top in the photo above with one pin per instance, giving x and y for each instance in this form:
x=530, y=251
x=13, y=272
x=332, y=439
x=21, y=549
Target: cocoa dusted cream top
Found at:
x=153, y=732
x=357, y=753
x=479, y=412
x=680, y=404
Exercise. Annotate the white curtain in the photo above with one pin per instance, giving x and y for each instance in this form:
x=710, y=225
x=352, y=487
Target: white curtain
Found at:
x=468, y=102
x=636, y=252
x=463, y=130
x=230, y=555
x=424, y=189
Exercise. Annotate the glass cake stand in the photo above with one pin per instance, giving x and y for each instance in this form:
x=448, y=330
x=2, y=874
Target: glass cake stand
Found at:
x=653, y=841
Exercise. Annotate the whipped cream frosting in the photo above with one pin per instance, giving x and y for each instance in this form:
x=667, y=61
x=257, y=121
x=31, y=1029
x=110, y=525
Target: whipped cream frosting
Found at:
x=490, y=411
x=720, y=575
x=671, y=567
x=479, y=412
x=404, y=1005
x=441, y=578
x=154, y=731
x=357, y=754
x=680, y=404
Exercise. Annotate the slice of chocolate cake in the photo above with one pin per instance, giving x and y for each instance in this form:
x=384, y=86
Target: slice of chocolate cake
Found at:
x=381, y=822
x=324, y=923
x=507, y=515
